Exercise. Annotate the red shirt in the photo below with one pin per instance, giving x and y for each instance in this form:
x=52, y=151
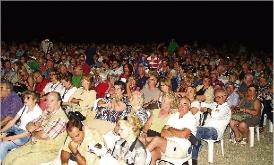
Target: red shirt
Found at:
x=154, y=62
x=40, y=86
x=101, y=89
x=86, y=68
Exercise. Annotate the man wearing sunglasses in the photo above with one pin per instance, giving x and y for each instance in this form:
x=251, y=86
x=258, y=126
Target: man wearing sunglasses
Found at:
x=216, y=123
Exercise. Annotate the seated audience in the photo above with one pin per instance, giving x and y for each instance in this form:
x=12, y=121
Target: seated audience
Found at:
x=112, y=108
x=11, y=103
x=47, y=136
x=68, y=89
x=204, y=92
x=136, y=107
x=174, y=141
x=158, y=118
x=129, y=150
x=151, y=92
x=80, y=138
x=40, y=82
x=16, y=133
x=83, y=98
x=247, y=115
x=215, y=126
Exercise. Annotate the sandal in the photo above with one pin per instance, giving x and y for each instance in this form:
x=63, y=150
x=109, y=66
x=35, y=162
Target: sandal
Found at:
x=243, y=142
x=238, y=139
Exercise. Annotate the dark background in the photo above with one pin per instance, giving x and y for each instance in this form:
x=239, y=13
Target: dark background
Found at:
x=207, y=22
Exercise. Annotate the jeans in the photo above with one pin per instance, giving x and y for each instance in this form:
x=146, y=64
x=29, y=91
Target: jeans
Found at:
x=6, y=146
x=208, y=133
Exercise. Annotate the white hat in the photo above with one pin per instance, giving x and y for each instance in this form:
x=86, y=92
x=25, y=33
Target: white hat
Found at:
x=196, y=104
x=123, y=80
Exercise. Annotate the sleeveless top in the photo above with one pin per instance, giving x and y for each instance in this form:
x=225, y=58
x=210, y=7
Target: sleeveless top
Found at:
x=247, y=104
x=158, y=123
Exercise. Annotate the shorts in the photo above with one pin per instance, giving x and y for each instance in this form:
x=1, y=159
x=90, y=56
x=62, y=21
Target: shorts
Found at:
x=251, y=122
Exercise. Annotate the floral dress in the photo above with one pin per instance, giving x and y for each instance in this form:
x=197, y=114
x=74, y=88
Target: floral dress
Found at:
x=105, y=113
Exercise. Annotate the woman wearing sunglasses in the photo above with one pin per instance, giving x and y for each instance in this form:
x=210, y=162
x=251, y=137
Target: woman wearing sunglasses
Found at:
x=15, y=130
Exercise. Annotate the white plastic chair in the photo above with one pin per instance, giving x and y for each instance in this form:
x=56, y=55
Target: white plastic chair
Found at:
x=210, y=150
x=270, y=126
x=251, y=131
x=270, y=123
x=251, y=135
x=175, y=161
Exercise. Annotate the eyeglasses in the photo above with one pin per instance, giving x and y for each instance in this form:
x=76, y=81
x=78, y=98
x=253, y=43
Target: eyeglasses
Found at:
x=218, y=97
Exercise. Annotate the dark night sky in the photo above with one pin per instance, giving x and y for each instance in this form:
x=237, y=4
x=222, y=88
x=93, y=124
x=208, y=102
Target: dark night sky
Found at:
x=214, y=22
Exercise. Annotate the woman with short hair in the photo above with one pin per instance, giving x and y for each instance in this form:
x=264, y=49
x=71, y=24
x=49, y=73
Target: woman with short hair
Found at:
x=16, y=132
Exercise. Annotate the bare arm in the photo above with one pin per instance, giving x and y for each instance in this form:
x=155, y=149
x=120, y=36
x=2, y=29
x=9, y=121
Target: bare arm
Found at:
x=9, y=124
x=40, y=135
x=173, y=132
x=18, y=136
x=148, y=123
x=6, y=120
x=257, y=109
x=64, y=157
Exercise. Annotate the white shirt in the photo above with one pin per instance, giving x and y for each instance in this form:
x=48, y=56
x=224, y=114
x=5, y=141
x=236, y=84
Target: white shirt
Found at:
x=187, y=121
x=117, y=71
x=57, y=87
x=28, y=116
x=66, y=93
x=198, y=116
x=220, y=117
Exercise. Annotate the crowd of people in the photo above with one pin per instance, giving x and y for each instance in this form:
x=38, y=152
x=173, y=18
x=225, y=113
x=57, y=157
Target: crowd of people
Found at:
x=92, y=103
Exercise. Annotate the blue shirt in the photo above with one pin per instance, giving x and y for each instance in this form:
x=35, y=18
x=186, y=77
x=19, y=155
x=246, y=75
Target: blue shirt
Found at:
x=10, y=105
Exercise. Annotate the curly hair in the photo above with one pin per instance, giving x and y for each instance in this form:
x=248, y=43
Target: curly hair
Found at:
x=136, y=102
x=135, y=124
x=173, y=99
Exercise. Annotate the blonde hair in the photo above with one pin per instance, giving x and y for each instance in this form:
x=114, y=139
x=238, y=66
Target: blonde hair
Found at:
x=89, y=78
x=173, y=99
x=166, y=82
x=134, y=123
x=137, y=102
